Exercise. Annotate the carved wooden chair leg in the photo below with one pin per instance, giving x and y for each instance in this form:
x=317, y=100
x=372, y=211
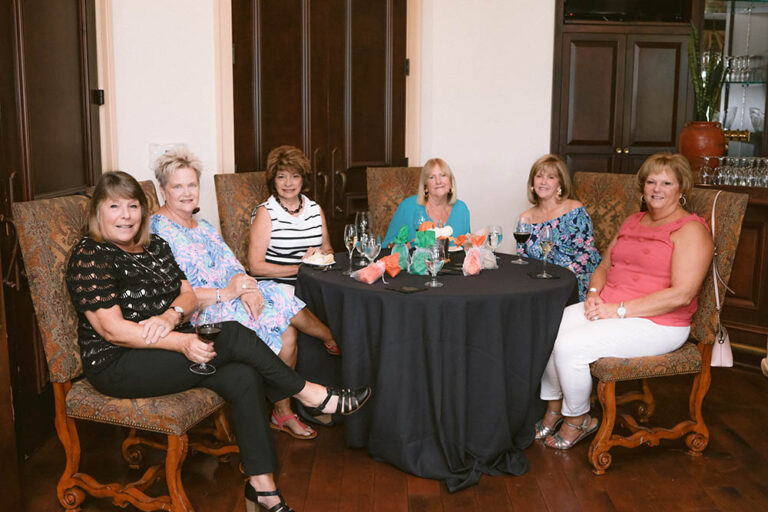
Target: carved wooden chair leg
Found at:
x=69, y=496
x=644, y=410
x=131, y=450
x=174, y=458
x=599, y=449
x=698, y=439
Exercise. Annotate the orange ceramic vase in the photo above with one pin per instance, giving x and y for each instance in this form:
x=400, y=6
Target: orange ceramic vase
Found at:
x=701, y=138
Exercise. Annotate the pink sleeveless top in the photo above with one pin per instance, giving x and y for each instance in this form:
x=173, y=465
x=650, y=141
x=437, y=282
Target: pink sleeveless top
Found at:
x=641, y=263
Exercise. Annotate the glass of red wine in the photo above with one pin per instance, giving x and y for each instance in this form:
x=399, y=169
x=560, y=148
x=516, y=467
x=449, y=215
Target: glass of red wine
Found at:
x=522, y=234
x=207, y=328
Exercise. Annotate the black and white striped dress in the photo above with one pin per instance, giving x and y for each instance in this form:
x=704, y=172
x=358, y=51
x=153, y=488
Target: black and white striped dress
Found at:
x=292, y=236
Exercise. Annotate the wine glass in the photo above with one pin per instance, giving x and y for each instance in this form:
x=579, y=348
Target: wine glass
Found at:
x=494, y=238
x=371, y=248
x=363, y=223
x=522, y=234
x=208, y=328
x=546, y=241
x=434, y=261
x=350, y=241
x=705, y=173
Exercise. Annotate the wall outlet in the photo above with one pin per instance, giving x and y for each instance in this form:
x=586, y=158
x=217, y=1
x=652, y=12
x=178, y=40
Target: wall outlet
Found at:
x=157, y=149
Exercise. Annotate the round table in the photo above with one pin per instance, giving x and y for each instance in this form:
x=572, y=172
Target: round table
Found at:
x=455, y=370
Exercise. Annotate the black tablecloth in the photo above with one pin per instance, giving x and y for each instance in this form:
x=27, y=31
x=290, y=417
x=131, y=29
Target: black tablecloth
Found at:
x=454, y=370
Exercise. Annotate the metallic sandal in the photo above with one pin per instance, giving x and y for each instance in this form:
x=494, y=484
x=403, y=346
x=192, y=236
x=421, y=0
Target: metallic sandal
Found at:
x=557, y=442
x=542, y=431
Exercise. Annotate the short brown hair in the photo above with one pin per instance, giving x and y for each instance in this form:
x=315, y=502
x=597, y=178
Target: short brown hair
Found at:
x=286, y=158
x=676, y=163
x=118, y=184
x=551, y=163
x=421, y=197
x=174, y=159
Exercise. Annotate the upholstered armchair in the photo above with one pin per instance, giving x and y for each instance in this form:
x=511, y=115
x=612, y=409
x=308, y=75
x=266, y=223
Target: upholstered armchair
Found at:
x=237, y=195
x=47, y=230
x=609, y=198
x=387, y=187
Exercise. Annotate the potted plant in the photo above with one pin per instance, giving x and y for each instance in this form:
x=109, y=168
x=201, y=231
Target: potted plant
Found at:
x=703, y=136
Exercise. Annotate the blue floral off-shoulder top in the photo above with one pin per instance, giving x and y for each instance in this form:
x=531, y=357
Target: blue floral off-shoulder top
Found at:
x=574, y=246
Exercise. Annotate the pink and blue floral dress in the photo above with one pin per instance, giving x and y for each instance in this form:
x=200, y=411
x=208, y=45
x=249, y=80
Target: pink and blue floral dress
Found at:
x=208, y=262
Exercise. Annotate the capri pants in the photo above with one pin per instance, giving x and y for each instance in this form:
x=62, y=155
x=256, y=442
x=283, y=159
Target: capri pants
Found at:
x=580, y=342
x=246, y=371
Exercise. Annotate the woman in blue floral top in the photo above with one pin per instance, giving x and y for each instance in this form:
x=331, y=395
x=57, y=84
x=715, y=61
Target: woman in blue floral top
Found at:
x=549, y=190
x=221, y=282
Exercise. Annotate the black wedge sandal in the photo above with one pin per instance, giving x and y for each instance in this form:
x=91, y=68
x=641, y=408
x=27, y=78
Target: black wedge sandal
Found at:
x=252, y=500
x=350, y=400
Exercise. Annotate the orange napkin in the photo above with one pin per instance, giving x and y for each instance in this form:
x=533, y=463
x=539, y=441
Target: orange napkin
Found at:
x=478, y=240
x=427, y=225
x=459, y=240
x=369, y=274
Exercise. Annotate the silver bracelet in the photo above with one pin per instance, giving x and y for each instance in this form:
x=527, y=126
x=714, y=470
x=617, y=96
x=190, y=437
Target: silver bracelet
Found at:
x=218, y=295
x=592, y=290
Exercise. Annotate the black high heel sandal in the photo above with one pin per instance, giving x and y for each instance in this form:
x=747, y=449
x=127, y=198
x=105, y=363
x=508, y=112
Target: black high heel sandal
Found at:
x=252, y=500
x=350, y=400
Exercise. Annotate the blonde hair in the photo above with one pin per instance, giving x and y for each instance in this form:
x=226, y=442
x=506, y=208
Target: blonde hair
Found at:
x=118, y=184
x=421, y=197
x=173, y=160
x=665, y=161
x=550, y=163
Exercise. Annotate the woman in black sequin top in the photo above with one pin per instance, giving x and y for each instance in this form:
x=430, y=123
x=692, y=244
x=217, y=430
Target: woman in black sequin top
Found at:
x=131, y=296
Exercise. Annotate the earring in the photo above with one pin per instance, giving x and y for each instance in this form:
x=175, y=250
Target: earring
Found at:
x=642, y=198
x=559, y=192
x=683, y=201
x=426, y=192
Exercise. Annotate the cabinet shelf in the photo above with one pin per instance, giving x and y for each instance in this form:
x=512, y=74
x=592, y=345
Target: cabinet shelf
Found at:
x=752, y=82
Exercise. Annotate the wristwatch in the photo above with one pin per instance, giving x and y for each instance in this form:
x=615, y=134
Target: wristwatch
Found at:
x=180, y=311
x=621, y=311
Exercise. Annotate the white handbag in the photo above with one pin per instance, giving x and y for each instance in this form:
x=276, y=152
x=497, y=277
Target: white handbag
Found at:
x=721, y=352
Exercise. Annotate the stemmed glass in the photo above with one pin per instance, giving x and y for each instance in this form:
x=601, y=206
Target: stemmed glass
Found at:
x=434, y=261
x=371, y=248
x=494, y=238
x=208, y=328
x=363, y=223
x=522, y=234
x=350, y=241
x=546, y=241
x=705, y=173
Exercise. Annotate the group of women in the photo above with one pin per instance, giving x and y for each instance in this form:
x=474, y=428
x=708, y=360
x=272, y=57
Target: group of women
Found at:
x=134, y=290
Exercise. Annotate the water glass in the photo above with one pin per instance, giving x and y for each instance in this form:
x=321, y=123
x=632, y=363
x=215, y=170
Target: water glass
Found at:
x=434, y=261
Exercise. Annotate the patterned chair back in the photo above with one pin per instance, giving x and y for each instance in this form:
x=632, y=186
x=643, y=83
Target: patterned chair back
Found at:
x=611, y=198
x=387, y=187
x=237, y=195
x=47, y=230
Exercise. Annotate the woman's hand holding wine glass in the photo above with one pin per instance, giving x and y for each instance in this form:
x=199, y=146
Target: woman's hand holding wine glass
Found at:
x=207, y=328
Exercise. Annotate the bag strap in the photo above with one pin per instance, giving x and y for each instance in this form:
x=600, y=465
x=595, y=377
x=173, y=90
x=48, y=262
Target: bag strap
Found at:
x=715, y=273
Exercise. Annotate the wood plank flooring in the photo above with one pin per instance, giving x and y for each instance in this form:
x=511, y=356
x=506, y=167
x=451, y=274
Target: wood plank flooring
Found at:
x=324, y=476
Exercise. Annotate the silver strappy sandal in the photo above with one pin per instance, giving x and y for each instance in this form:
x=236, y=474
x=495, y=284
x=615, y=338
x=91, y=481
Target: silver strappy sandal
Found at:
x=557, y=442
x=543, y=431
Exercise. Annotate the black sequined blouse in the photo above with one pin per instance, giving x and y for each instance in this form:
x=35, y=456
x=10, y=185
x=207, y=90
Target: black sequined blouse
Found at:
x=100, y=275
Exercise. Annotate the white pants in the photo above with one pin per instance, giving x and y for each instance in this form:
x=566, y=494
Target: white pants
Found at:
x=581, y=341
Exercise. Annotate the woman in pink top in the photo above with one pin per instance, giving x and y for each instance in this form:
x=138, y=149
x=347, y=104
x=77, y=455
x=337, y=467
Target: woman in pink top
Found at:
x=640, y=302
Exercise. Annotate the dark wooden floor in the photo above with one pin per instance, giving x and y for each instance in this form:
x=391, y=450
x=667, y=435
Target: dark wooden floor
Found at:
x=321, y=475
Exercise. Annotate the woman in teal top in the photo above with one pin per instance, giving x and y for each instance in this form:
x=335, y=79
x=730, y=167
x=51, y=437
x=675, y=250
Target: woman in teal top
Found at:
x=436, y=202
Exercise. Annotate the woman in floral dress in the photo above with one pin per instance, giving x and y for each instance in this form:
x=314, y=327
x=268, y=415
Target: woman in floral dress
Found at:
x=222, y=284
x=549, y=190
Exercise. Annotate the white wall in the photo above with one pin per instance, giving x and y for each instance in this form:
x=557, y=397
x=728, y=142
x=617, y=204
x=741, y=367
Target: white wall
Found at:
x=486, y=99
x=165, y=84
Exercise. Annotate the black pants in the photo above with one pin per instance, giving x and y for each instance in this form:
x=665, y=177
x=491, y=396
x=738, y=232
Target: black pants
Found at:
x=246, y=371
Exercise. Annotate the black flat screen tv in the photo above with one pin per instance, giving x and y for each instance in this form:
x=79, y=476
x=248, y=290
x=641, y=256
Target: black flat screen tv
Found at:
x=628, y=10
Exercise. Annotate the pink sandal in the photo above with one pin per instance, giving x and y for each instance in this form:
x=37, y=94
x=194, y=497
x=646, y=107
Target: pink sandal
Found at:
x=281, y=422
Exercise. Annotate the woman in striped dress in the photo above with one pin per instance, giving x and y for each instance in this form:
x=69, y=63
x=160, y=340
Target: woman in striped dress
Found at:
x=288, y=226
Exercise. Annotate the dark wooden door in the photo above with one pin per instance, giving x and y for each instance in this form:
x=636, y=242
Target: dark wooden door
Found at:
x=622, y=97
x=50, y=146
x=655, y=100
x=328, y=77
x=591, y=106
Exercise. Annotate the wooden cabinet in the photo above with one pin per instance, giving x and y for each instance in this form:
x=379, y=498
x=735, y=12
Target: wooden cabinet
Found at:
x=622, y=97
x=328, y=77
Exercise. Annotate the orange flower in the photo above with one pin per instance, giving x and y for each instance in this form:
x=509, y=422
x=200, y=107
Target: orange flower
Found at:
x=427, y=225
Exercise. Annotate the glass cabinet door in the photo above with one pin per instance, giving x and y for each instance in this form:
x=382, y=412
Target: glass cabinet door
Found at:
x=741, y=28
